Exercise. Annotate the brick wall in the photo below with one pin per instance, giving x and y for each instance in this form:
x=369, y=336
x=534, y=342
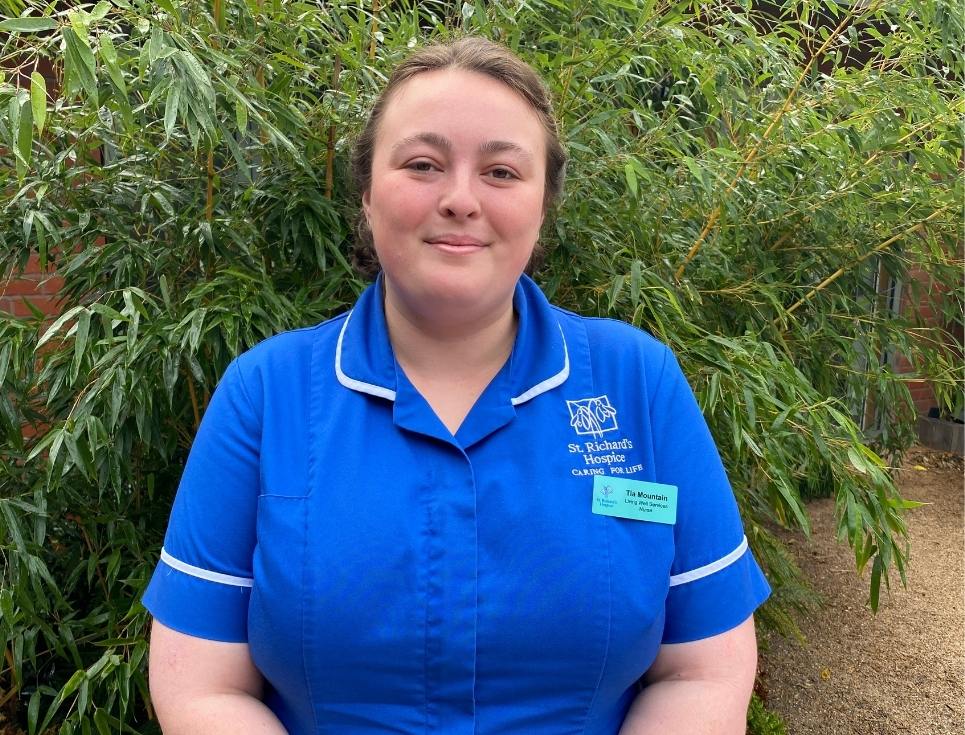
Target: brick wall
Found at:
x=921, y=390
x=41, y=288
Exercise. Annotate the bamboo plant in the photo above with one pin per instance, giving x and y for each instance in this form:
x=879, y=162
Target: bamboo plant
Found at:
x=746, y=182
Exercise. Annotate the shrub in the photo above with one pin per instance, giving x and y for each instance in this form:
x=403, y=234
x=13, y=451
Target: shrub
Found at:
x=743, y=183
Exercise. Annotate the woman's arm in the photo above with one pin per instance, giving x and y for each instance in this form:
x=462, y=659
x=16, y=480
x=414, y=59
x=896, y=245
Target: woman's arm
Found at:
x=698, y=688
x=206, y=686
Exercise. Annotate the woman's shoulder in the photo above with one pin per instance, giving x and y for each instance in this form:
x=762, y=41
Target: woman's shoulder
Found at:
x=286, y=357
x=293, y=343
x=613, y=334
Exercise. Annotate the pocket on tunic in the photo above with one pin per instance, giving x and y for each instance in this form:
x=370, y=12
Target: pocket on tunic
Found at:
x=276, y=610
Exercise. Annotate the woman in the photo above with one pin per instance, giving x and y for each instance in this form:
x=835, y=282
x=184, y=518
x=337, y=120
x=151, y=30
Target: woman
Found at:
x=456, y=508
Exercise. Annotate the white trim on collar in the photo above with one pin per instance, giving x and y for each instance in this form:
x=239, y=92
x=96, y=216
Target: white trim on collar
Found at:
x=382, y=392
x=551, y=382
x=352, y=383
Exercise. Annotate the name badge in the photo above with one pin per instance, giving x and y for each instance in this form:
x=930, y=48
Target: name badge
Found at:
x=634, y=499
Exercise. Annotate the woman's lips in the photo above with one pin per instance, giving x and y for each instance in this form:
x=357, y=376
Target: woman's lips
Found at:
x=457, y=244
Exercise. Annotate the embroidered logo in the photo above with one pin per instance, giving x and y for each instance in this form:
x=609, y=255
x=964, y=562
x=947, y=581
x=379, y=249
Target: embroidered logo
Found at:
x=593, y=416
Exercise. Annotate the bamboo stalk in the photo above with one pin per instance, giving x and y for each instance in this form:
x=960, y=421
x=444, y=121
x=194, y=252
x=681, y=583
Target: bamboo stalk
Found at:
x=90, y=547
x=209, y=195
x=218, y=12
x=844, y=269
x=194, y=402
x=752, y=154
x=330, y=153
x=375, y=28
x=14, y=686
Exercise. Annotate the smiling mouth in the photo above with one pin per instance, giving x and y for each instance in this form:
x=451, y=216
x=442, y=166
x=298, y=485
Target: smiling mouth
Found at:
x=455, y=244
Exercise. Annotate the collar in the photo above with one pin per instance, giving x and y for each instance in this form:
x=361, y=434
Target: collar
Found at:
x=539, y=362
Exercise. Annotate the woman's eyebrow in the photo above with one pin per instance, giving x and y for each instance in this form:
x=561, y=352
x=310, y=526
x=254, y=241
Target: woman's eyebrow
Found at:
x=433, y=139
x=504, y=146
x=442, y=143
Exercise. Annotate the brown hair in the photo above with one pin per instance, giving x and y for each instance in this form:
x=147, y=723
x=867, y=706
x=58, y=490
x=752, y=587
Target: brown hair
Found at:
x=471, y=53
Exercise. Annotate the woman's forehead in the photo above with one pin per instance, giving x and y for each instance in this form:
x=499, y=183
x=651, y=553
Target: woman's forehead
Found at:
x=439, y=106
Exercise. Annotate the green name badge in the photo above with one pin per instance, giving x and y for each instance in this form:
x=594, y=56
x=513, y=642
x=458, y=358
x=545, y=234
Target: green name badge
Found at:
x=634, y=499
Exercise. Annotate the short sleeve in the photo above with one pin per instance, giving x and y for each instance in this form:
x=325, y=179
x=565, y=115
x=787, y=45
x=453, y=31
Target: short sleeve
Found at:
x=203, y=581
x=715, y=582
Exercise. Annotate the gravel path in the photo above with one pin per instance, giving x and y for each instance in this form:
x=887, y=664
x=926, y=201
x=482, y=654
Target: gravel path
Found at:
x=899, y=672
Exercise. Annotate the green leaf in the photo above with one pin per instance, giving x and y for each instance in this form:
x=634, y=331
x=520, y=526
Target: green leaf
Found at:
x=170, y=365
x=13, y=525
x=165, y=292
x=33, y=712
x=80, y=343
x=40, y=232
x=241, y=115
x=38, y=100
x=108, y=55
x=67, y=690
x=171, y=109
x=635, y=278
x=5, y=350
x=857, y=461
x=631, y=176
x=243, y=166
x=876, y=569
x=58, y=324
x=106, y=46
x=79, y=65
x=27, y=25
x=102, y=722
x=100, y=10
x=25, y=140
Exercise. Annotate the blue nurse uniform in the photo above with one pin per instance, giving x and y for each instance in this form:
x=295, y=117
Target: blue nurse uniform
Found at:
x=391, y=577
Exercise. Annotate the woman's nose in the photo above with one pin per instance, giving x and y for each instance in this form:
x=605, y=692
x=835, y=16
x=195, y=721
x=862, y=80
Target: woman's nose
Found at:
x=459, y=198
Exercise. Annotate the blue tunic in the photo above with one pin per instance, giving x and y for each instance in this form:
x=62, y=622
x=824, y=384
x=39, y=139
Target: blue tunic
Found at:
x=391, y=577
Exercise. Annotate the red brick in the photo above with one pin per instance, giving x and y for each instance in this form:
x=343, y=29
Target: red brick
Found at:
x=20, y=287
x=16, y=306
x=33, y=266
x=51, y=285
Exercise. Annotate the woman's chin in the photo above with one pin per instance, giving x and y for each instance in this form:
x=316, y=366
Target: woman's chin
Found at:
x=453, y=297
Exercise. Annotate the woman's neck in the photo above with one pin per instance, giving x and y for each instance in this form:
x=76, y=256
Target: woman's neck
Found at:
x=450, y=361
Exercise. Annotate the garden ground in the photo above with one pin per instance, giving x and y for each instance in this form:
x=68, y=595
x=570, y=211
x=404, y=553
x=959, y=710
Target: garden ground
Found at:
x=898, y=672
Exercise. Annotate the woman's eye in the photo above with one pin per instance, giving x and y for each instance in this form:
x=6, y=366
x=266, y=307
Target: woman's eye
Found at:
x=503, y=174
x=421, y=166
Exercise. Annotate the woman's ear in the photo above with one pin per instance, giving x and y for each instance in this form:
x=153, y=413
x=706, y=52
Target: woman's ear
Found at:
x=366, y=203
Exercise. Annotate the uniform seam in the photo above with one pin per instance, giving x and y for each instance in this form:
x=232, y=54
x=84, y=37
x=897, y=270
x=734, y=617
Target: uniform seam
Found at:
x=312, y=462
x=425, y=617
x=248, y=355
x=663, y=372
x=609, y=320
x=609, y=626
x=305, y=598
x=244, y=388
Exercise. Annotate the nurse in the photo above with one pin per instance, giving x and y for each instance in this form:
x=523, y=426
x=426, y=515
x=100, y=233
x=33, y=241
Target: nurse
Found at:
x=455, y=509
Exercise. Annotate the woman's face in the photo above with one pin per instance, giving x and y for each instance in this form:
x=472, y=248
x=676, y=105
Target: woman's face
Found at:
x=456, y=199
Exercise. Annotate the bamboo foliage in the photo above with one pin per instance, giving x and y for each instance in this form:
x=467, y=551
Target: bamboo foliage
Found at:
x=743, y=184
